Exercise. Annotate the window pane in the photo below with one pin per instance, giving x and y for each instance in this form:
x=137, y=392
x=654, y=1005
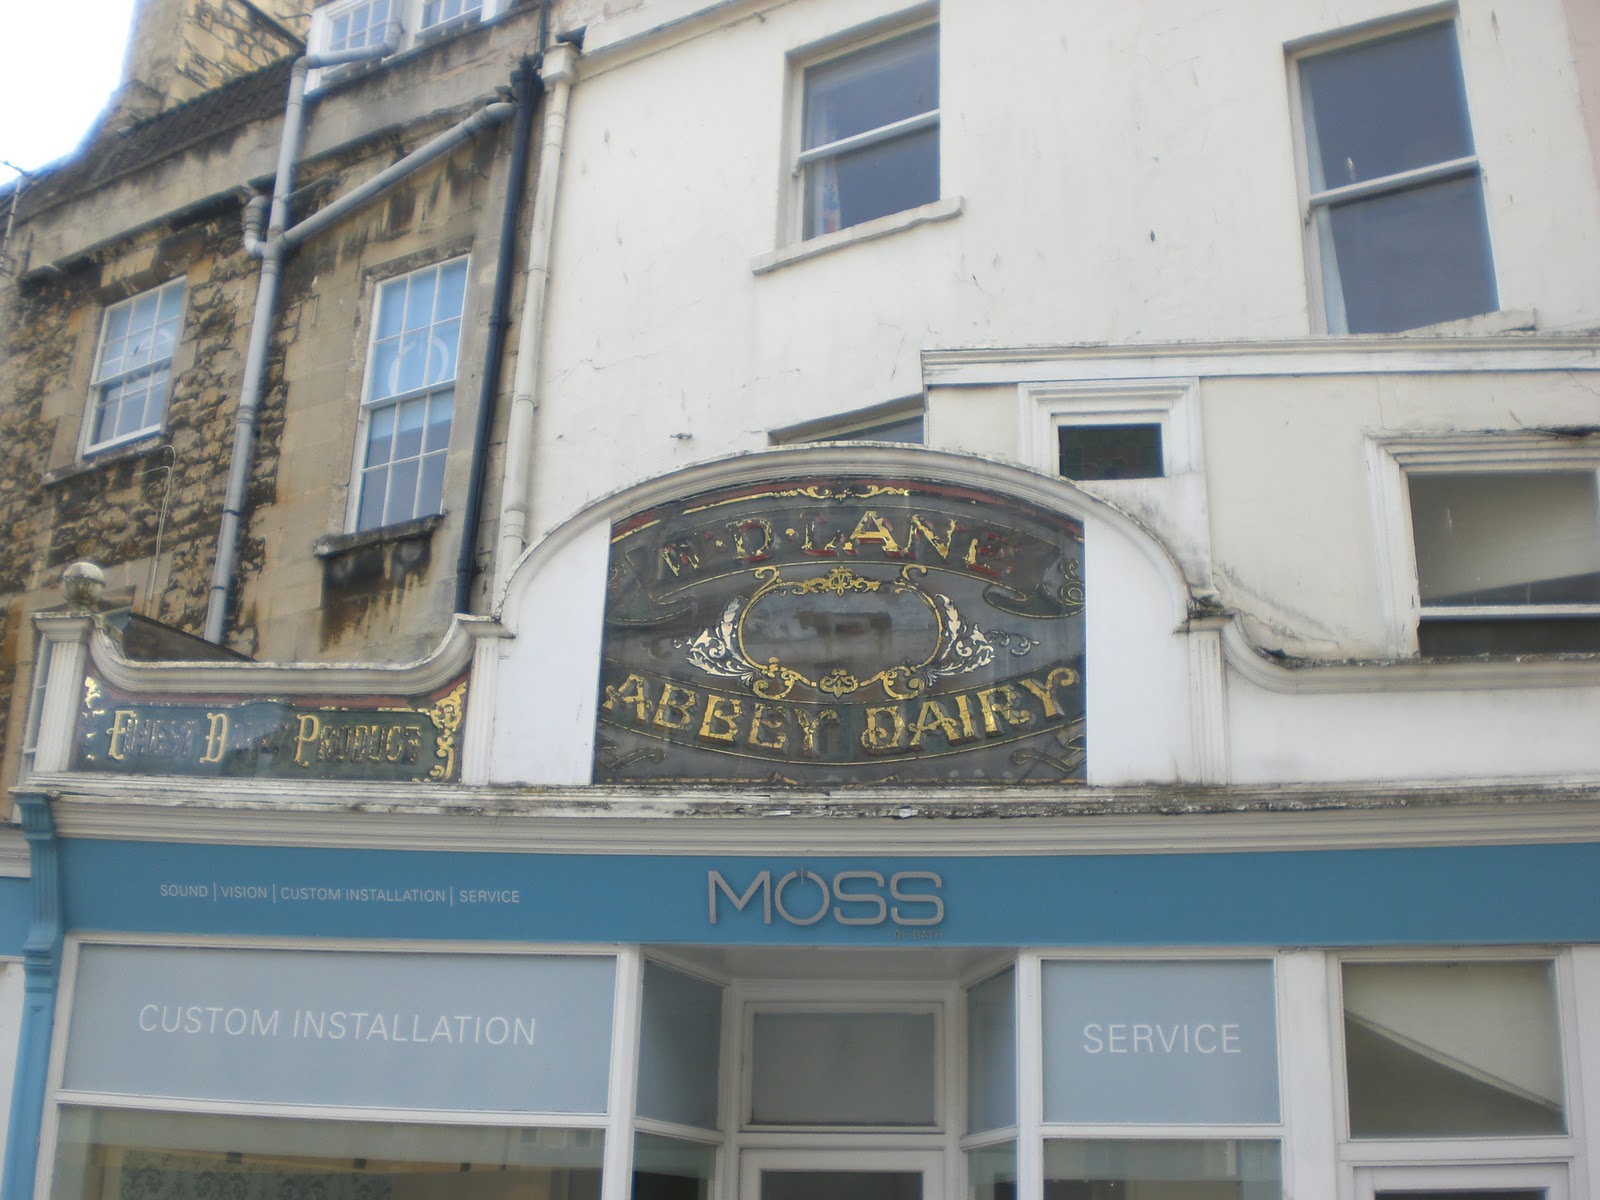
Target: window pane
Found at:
x=872, y=182
x=1161, y=1170
x=374, y=491
x=1452, y=1049
x=437, y=434
x=1110, y=451
x=846, y=1068
x=452, y=287
x=380, y=435
x=1509, y=635
x=409, y=421
x=410, y=373
x=1507, y=537
x=1385, y=107
x=137, y=1154
x=669, y=1169
x=872, y=88
x=1412, y=257
x=391, y=308
x=430, y=486
x=402, y=505
x=442, y=351
x=992, y=1173
x=419, y=300
x=680, y=1034
x=992, y=1053
x=841, y=1185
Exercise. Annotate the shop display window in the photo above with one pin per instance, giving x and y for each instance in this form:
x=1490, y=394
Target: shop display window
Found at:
x=1452, y=1049
x=113, y=1154
x=680, y=1032
x=992, y=1053
x=992, y=1172
x=843, y=1068
x=671, y=1169
x=1108, y=1169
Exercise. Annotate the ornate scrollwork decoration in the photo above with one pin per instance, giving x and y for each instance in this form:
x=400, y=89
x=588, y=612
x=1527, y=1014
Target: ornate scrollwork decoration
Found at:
x=92, y=694
x=959, y=646
x=447, y=716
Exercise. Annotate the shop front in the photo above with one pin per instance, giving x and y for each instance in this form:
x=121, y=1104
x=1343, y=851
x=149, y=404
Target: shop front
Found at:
x=794, y=831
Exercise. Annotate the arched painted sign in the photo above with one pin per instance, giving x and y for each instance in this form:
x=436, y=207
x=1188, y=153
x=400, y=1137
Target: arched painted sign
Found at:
x=843, y=631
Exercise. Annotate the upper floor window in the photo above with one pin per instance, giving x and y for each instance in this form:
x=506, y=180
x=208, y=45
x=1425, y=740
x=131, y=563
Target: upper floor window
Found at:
x=1396, y=204
x=1508, y=561
x=410, y=396
x=133, y=368
x=353, y=26
x=360, y=23
x=869, y=133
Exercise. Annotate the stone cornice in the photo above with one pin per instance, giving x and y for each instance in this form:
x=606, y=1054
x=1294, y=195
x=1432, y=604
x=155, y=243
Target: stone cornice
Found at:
x=978, y=821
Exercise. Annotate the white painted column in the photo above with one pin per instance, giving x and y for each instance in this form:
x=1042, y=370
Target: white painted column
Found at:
x=1030, y=1078
x=623, y=1089
x=1308, y=1076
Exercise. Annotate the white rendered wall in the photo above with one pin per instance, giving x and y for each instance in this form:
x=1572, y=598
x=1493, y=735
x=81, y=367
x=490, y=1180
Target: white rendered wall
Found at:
x=1127, y=171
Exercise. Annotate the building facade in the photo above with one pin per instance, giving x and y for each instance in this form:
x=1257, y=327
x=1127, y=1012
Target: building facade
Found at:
x=811, y=597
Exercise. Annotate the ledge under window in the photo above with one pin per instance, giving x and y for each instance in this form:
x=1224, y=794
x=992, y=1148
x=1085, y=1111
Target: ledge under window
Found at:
x=332, y=545
x=98, y=460
x=867, y=231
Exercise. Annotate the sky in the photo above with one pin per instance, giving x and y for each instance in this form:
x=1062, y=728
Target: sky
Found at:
x=59, y=64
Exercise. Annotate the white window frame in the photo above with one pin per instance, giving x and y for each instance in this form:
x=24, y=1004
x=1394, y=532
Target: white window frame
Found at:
x=865, y=37
x=1394, y=457
x=930, y=1164
x=371, y=405
x=1169, y=404
x=1551, y=1161
x=33, y=720
x=88, y=444
x=404, y=25
x=1326, y=290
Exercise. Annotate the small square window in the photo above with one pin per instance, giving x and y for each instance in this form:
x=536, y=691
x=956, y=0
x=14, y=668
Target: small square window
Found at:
x=1508, y=562
x=1093, y=452
x=133, y=369
x=869, y=133
x=1397, y=203
x=1452, y=1049
x=410, y=396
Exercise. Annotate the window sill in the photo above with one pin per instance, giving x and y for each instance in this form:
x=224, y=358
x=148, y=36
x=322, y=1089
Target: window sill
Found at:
x=332, y=545
x=867, y=231
x=99, y=460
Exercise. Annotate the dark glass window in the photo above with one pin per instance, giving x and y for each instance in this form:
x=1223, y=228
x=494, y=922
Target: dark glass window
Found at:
x=1111, y=451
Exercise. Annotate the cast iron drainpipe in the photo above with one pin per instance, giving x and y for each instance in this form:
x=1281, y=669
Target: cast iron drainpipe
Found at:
x=272, y=250
x=528, y=87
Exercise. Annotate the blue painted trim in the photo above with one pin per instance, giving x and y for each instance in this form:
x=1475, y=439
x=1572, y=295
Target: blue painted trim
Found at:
x=1482, y=895
x=41, y=964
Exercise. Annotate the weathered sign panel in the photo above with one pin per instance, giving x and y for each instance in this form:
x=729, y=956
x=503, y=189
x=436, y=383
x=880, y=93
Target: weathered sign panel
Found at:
x=381, y=738
x=844, y=631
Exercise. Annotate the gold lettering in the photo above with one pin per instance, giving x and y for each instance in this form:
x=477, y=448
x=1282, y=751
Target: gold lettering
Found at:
x=1060, y=677
x=729, y=720
x=828, y=550
x=768, y=720
x=393, y=743
x=919, y=525
x=987, y=546
x=308, y=734
x=879, y=532
x=878, y=738
x=810, y=726
x=742, y=547
x=679, y=702
x=931, y=718
x=123, y=725
x=678, y=555
x=633, y=691
x=965, y=710
x=216, y=737
x=998, y=702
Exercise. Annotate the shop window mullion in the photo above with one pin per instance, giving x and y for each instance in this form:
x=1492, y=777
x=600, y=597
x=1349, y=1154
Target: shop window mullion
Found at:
x=616, y=1181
